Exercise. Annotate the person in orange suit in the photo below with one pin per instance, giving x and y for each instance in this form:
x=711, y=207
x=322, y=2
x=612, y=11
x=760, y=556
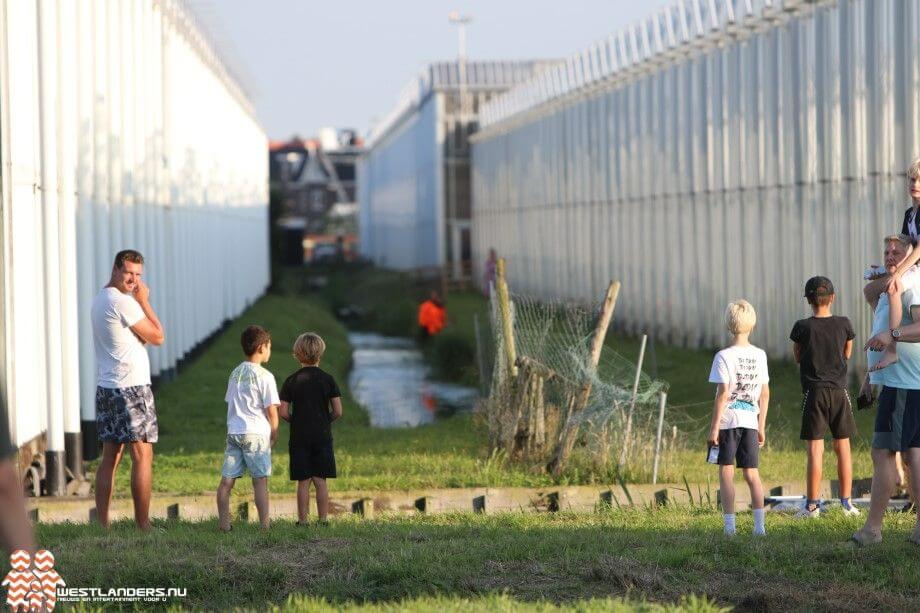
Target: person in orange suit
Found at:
x=432, y=316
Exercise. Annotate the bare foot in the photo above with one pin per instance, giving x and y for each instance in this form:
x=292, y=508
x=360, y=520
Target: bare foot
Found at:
x=890, y=357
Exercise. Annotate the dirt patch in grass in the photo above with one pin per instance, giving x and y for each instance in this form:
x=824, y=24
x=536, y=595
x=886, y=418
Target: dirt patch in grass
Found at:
x=294, y=567
x=746, y=590
x=615, y=576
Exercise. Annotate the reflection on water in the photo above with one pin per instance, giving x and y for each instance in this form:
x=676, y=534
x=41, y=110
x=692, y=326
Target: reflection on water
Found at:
x=389, y=380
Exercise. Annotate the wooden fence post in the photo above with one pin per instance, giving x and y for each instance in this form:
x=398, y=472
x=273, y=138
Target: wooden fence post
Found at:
x=504, y=305
x=557, y=501
x=363, y=507
x=570, y=434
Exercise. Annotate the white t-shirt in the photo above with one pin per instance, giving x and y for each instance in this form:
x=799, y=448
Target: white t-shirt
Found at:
x=121, y=358
x=905, y=373
x=744, y=370
x=250, y=390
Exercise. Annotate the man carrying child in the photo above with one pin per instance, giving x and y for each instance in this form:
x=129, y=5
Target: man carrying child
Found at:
x=897, y=422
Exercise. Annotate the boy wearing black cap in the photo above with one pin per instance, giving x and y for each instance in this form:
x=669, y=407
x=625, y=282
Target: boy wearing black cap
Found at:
x=822, y=344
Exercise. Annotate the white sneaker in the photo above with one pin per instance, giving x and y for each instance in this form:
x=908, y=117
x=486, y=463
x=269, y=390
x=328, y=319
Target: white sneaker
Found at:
x=805, y=513
x=850, y=510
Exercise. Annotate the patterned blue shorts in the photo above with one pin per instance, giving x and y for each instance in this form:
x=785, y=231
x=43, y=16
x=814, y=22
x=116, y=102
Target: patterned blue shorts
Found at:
x=126, y=415
x=247, y=451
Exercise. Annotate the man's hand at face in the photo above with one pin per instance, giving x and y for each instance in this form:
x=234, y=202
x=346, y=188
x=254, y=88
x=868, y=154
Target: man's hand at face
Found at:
x=142, y=292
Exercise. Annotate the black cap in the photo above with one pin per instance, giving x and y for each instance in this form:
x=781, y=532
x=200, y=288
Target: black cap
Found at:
x=819, y=286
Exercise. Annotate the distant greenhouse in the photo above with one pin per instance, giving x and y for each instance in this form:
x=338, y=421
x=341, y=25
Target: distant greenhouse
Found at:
x=715, y=150
x=413, y=179
x=120, y=127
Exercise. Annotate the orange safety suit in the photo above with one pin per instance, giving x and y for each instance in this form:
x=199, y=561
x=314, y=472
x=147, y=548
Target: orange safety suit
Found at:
x=432, y=317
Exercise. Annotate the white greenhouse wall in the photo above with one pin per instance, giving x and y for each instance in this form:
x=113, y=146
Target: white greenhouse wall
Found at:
x=119, y=128
x=730, y=161
x=401, y=195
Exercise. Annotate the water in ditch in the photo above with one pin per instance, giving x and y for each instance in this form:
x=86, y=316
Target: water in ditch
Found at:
x=389, y=378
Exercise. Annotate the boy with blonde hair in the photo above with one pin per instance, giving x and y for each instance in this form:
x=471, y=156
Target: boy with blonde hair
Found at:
x=739, y=413
x=310, y=402
x=252, y=425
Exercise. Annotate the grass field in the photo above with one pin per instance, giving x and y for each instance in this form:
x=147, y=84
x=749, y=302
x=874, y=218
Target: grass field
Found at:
x=391, y=299
x=648, y=559
x=448, y=453
x=192, y=417
x=624, y=557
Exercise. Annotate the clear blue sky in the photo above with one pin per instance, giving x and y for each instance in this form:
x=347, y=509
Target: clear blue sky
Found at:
x=342, y=63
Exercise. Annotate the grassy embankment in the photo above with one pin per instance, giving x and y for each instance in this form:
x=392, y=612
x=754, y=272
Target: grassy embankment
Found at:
x=505, y=562
x=391, y=300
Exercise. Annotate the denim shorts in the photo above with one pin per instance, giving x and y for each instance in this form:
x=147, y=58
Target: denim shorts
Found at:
x=247, y=451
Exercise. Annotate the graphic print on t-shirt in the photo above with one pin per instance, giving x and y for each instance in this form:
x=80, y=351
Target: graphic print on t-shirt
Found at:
x=746, y=379
x=743, y=371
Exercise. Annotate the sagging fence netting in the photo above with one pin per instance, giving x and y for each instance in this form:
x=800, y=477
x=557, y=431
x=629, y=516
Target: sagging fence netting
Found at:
x=550, y=405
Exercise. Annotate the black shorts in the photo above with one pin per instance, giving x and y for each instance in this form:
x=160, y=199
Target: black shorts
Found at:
x=739, y=446
x=313, y=460
x=897, y=423
x=823, y=407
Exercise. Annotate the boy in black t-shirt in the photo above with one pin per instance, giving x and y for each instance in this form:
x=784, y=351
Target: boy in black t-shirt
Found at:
x=316, y=404
x=822, y=344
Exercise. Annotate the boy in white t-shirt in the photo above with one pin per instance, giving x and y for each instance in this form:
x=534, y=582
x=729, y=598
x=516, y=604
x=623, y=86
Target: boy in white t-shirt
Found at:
x=252, y=425
x=740, y=412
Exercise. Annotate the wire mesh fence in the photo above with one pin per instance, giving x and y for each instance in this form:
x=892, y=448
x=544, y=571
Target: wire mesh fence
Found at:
x=559, y=399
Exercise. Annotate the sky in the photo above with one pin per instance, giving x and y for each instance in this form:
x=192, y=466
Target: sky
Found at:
x=342, y=63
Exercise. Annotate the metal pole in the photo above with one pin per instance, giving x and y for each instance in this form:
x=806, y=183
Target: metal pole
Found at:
x=456, y=151
x=47, y=36
x=627, y=432
x=662, y=401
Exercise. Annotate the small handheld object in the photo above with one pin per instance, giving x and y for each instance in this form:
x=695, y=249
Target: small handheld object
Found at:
x=864, y=401
x=712, y=457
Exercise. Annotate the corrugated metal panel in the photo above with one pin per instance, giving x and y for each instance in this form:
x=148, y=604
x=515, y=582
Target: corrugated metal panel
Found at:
x=119, y=127
x=758, y=148
x=402, y=172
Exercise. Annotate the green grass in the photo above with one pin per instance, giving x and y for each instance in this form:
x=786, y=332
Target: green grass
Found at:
x=391, y=297
x=192, y=417
x=451, y=452
x=509, y=561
